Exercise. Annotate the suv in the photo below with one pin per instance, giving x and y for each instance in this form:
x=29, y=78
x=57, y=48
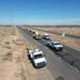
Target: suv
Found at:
x=55, y=45
x=46, y=37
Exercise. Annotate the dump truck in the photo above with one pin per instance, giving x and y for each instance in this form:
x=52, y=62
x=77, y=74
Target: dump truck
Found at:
x=36, y=36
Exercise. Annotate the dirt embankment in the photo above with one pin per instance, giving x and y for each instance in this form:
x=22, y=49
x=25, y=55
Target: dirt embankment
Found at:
x=14, y=62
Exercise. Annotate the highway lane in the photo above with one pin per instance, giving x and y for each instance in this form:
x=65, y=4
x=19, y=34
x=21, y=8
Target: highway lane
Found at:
x=70, y=55
x=55, y=64
x=67, y=35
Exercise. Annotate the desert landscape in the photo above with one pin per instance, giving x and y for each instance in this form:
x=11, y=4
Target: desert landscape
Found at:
x=39, y=39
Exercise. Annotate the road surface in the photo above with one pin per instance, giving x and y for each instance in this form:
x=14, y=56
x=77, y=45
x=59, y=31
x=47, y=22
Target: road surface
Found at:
x=70, y=55
x=55, y=64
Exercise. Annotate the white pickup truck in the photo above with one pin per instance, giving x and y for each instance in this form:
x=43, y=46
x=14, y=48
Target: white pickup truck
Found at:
x=37, y=57
x=55, y=45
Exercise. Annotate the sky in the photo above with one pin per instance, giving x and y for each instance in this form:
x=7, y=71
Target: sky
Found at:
x=40, y=12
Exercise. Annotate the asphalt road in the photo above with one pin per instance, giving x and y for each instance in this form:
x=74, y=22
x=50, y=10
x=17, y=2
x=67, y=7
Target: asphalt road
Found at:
x=67, y=35
x=70, y=55
x=56, y=65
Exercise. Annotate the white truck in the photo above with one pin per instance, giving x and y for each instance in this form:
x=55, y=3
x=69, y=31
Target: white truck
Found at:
x=37, y=58
x=55, y=45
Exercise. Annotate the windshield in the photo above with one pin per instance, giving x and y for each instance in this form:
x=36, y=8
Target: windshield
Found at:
x=56, y=43
x=38, y=56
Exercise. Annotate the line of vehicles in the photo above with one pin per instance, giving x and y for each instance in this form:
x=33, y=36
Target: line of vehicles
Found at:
x=36, y=56
x=55, y=45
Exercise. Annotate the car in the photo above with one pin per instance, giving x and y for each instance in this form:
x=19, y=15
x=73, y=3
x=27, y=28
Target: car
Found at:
x=46, y=37
x=37, y=58
x=55, y=45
